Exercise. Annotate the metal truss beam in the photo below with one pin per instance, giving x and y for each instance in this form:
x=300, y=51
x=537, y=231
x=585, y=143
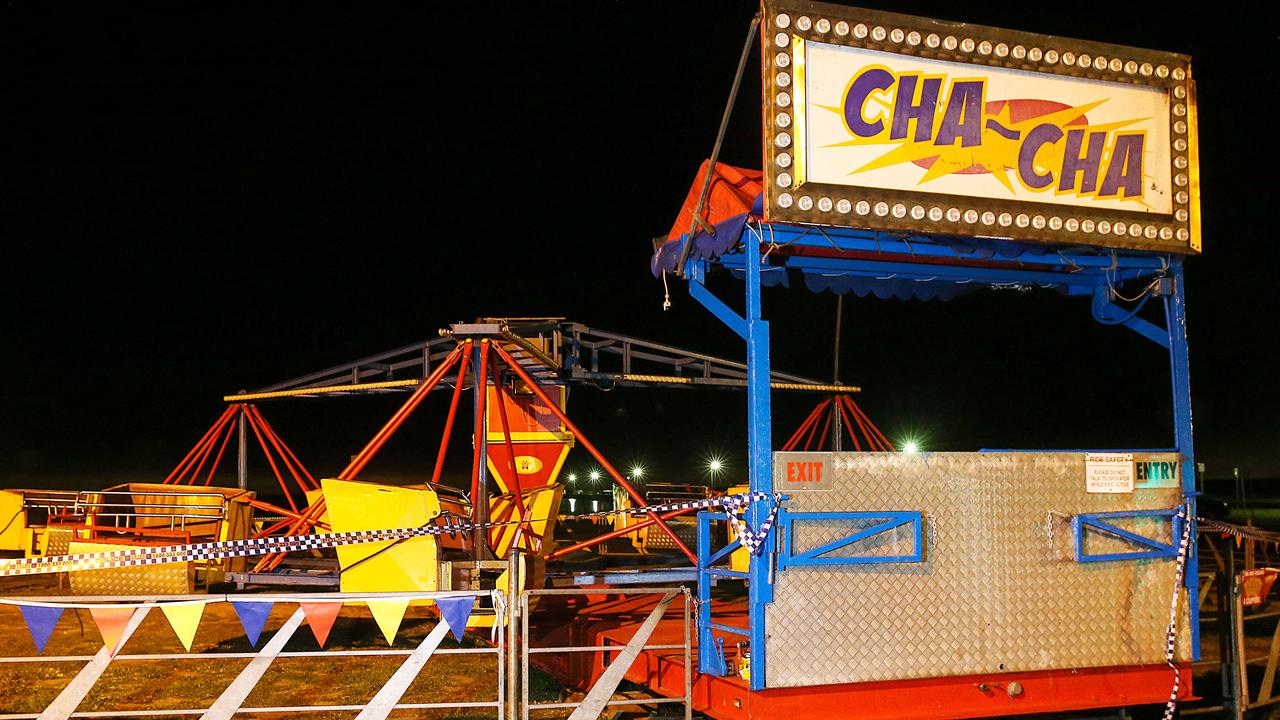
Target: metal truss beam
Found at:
x=553, y=351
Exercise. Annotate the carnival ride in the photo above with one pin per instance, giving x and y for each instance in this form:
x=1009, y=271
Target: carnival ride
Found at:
x=868, y=583
x=521, y=436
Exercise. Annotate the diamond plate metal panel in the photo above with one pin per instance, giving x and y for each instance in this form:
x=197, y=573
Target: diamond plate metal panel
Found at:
x=998, y=591
x=174, y=578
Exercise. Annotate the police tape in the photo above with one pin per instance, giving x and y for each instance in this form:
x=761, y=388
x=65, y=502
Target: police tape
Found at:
x=1171, y=632
x=733, y=505
x=1239, y=532
x=220, y=550
x=736, y=500
x=224, y=549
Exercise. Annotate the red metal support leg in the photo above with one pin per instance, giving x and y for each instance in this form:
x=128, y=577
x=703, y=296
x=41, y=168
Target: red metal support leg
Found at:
x=448, y=423
x=511, y=452
x=517, y=492
x=286, y=455
x=312, y=515
x=266, y=450
x=613, y=472
x=794, y=440
x=477, y=439
x=857, y=411
x=226, y=438
x=212, y=431
x=366, y=454
x=851, y=425
x=823, y=434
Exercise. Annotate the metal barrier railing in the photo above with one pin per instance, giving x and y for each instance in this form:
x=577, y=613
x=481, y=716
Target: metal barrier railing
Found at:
x=231, y=701
x=1233, y=624
x=598, y=698
x=120, y=506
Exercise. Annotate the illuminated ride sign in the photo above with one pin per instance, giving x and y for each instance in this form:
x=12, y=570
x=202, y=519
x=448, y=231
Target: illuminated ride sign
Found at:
x=893, y=122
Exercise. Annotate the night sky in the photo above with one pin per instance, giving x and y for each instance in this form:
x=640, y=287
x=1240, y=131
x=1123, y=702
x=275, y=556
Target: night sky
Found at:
x=199, y=199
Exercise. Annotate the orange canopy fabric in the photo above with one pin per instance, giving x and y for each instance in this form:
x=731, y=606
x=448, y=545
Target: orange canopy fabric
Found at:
x=733, y=191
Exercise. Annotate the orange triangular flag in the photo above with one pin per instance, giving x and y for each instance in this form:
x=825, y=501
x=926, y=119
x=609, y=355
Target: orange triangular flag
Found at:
x=320, y=617
x=184, y=618
x=111, y=623
x=388, y=613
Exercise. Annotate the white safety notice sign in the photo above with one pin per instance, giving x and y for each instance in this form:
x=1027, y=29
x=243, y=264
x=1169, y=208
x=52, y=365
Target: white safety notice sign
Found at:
x=1109, y=472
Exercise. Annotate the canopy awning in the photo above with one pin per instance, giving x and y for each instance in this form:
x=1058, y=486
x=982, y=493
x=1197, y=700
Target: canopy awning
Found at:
x=869, y=262
x=735, y=193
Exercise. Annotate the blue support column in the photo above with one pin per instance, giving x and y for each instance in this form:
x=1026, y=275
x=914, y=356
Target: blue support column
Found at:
x=760, y=455
x=706, y=640
x=1180, y=367
x=755, y=331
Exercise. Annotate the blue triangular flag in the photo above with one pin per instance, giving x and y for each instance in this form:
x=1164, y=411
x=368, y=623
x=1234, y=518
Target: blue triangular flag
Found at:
x=456, y=611
x=253, y=617
x=40, y=621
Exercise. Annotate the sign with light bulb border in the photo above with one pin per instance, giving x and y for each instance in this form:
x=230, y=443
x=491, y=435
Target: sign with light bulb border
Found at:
x=891, y=122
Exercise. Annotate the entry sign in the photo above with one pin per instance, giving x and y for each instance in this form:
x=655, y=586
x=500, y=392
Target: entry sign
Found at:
x=891, y=122
x=1109, y=472
x=1157, y=470
x=802, y=472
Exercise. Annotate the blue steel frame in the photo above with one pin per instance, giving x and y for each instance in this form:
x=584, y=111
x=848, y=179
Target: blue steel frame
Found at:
x=1151, y=549
x=710, y=654
x=889, y=521
x=880, y=256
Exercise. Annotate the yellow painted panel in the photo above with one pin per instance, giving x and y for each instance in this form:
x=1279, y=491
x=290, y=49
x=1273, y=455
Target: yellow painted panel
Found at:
x=13, y=522
x=541, y=505
x=409, y=565
x=739, y=560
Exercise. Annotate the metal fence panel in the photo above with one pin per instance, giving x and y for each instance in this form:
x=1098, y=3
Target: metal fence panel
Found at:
x=381, y=703
x=639, y=643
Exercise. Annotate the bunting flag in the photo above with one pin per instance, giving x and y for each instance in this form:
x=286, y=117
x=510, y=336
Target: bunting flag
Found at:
x=389, y=613
x=320, y=617
x=40, y=622
x=184, y=618
x=456, y=612
x=111, y=622
x=253, y=617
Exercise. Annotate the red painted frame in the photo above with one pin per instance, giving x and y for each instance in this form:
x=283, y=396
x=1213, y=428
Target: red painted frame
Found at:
x=614, y=621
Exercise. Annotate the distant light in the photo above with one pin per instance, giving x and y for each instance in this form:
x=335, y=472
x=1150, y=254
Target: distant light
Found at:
x=595, y=477
x=637, y=471
x=595, y=506
x=572, y=477
x=572, y=502
x=911, y=446
x=715, y=466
